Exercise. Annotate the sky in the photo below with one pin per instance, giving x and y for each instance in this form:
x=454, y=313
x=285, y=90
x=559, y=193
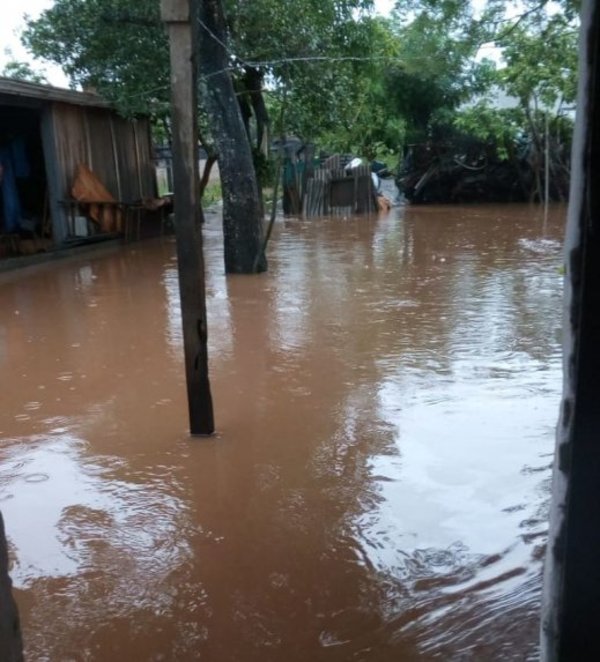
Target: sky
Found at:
x=11, y=24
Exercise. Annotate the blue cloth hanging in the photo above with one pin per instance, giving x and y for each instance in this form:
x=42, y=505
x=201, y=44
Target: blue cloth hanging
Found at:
x=10, y=193
x=18, y=153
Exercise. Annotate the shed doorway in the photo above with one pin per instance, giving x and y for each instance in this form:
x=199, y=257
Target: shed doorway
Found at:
x=25, y=225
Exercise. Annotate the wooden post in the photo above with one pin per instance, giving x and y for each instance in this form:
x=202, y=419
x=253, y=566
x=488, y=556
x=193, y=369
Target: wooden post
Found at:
x=572, y=570
x=546, y=166
x=179, y=15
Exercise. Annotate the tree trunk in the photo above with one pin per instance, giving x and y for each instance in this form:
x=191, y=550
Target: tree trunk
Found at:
x=536, y=158
x=242, y=213
x=10, y=631
x=253, y=79
x=245, y=109
x=210, y=162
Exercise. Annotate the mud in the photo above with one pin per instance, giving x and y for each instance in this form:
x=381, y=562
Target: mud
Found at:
x=385, y=398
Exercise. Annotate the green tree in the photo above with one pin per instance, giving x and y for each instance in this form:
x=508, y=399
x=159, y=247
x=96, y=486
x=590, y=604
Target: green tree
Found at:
x=22, y=71
x=351, y=81
x=121, y=49
x=115, y=46
x=453, y=95
x=539, y=72
x=303, y=50
x=437, y=69
x=341, y=101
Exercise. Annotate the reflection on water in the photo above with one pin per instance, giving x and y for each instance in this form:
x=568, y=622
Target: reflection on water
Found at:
x=385, y=398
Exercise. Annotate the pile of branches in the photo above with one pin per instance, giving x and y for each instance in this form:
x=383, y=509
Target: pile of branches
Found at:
x=462, y=169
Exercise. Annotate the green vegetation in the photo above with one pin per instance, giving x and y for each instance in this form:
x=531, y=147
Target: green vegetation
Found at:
x=212, y=194
x=341, y=76
x=21, y=70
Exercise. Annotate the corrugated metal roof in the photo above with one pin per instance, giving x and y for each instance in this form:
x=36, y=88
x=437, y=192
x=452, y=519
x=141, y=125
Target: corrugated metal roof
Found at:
x=19, y=88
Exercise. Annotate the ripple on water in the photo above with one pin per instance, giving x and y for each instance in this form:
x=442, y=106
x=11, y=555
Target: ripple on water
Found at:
x=88, y=502
x=389, y=388
x=36, y=478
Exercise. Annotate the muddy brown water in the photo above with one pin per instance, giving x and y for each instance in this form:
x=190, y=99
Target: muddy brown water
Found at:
x=385, y=398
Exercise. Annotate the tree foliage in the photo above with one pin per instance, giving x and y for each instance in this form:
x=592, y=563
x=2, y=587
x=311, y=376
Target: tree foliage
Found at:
x=22, y=71
x=518, y=107
x=115, y=46
x=310, y=52
x=352, y=81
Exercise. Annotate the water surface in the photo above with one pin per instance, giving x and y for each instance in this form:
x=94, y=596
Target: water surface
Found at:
x=385, y=399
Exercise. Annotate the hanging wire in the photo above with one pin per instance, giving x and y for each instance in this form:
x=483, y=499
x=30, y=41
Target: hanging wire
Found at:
x=315, y=59
x=215, y=38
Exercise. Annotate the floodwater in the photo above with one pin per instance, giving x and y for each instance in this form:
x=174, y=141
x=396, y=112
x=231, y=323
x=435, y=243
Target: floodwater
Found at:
x=378, y=489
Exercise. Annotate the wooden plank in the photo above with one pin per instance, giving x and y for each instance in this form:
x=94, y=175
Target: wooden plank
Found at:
x=113, y=141
x=22, y=90
x=147, y=176
x=175, y=11
x=100, y=146
x=149, y=183
x=307, y=171
x=138, y=163
x=365, y=194
x=342, y=192
x=71, y=144
x=333, y=162
x=187, y=217
x=127, y=160
x=105, y=143
x=54, y=177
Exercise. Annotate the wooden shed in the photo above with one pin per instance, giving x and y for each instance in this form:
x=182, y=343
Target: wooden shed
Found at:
x=46, y=133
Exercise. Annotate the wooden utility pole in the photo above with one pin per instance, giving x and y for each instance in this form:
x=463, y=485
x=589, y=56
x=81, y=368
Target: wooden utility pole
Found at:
x=180, y=15
x=572, y=571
